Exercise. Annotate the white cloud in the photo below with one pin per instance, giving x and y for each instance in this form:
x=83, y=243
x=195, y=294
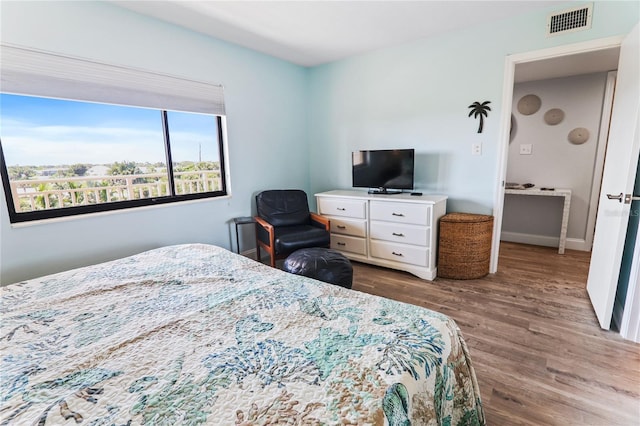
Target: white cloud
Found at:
x=38, y=145
x=27, y=144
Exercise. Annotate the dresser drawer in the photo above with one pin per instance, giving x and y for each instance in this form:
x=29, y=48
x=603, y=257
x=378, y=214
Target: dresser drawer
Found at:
x=400, y=233
x=403, y=253
x=351, y=244
x=357, y=228
x=342, y=207
x=417, y=214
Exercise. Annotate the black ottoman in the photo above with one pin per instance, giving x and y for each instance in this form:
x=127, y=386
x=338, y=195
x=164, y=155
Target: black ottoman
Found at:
x=322, y=264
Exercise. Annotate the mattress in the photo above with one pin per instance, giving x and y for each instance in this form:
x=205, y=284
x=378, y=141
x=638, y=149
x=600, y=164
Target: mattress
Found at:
x=195, y=334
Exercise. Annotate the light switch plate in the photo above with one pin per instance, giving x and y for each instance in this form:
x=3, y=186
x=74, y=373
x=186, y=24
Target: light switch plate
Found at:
x=476, y=148
x=525, y=149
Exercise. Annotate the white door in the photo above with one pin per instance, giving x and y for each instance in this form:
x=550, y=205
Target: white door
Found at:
x=618, y=178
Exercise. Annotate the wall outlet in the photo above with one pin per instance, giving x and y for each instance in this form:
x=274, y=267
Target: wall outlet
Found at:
x=476, y=148
x=525, y=149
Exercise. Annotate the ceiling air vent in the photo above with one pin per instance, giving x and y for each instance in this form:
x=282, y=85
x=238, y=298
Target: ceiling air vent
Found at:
x=569, y=20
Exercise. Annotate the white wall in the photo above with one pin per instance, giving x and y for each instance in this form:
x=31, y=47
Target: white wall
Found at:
x=554, y=162
x=266, y=102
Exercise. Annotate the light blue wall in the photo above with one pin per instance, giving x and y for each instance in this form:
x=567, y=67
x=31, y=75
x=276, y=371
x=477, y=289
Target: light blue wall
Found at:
x=417, y=96
x=288, y=126
x=266, y=102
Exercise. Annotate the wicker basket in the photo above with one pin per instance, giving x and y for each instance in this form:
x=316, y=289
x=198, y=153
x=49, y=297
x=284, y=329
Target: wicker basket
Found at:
x=465, y=245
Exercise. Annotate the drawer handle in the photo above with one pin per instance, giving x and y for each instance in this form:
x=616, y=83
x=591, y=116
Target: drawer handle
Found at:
x=341, y=244
x=397, y=234
x=396, y=254
x=341, y=227
x=341, y=209
x=397, y=214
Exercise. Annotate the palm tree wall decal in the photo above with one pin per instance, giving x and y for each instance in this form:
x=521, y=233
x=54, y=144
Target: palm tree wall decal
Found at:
x=480, y=110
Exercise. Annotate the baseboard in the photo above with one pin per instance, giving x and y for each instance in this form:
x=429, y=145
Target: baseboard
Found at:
x=577, y=244
x=535, y=240
x=544, y=240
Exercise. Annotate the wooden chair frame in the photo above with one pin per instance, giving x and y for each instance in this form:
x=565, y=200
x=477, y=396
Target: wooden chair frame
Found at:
x=270, y=248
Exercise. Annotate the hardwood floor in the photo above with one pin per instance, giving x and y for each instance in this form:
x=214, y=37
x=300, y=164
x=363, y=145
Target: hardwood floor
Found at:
x=536, y=346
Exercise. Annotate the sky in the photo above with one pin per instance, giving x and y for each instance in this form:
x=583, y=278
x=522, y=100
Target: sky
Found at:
x=40, y=131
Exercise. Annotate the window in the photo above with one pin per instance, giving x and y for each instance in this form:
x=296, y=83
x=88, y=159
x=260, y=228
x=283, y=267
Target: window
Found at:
x=79, y=137
x=67, y=157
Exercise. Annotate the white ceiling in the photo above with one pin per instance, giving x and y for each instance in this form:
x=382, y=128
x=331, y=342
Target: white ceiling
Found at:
x=310, y=33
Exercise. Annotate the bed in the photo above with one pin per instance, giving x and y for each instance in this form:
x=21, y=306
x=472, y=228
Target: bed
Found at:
x=194, y=334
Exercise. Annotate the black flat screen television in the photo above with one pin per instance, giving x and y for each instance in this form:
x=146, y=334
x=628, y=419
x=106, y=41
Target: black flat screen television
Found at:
x=383, y=171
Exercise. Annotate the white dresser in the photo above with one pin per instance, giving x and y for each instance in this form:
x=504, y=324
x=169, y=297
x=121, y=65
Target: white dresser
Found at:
x=397, y=231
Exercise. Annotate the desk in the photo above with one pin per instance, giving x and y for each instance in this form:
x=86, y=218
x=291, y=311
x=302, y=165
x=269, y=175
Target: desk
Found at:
x=245, y=220
x=566, y=193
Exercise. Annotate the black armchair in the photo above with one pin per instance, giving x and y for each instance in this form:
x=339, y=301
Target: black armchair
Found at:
x=284, y=224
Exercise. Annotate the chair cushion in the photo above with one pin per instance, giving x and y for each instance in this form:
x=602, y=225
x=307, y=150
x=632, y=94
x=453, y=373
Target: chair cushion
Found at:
x=322, y=264
x=283, y=207
x=292, y=238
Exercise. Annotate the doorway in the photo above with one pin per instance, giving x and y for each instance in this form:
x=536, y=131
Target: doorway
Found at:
x=583, y=58
x=545, y=151
x=623, y=147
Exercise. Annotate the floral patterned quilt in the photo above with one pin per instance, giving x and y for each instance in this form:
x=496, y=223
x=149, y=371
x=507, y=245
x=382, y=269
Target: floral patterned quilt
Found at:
x=195, y=334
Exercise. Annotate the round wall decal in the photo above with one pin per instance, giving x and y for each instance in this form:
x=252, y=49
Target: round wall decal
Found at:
x=578, y=136
x=553, y=116
x=529, y=104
